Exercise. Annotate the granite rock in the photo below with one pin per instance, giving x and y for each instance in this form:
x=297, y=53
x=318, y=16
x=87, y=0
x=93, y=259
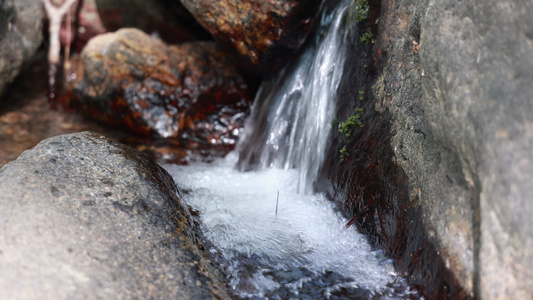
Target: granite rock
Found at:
x=439, y=174
x=84, y=217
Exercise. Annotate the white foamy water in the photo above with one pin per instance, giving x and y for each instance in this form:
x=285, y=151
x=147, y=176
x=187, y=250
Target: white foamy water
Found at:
x=268, y=254
x=303, y=251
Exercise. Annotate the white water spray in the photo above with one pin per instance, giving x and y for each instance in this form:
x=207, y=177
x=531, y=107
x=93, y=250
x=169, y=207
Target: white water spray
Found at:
x=296, y=246
x=290, y=253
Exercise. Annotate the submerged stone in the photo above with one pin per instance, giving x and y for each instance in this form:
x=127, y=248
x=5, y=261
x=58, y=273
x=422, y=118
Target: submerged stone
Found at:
x=85, y=217
x=191, y=91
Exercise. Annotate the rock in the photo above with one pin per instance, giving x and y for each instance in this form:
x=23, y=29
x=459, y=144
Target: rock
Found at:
x=84, y=217
x=262, y=34
x=477, y=100
x=440, y=174
x=188, y=91
x=375, y=191
x=166, y=19
x=20, y=36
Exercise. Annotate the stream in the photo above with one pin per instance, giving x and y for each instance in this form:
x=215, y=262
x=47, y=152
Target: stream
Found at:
x=272, y=235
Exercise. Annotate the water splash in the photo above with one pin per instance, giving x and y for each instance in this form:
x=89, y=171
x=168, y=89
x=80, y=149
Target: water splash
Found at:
x=303, y=250
x=290, y=123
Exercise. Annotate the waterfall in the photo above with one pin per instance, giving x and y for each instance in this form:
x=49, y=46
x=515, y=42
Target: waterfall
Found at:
x=273, y=237
x=291, y=118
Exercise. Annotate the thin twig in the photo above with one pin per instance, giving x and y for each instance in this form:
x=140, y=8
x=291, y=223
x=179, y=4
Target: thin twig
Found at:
x=354, y=219
x=277, y=201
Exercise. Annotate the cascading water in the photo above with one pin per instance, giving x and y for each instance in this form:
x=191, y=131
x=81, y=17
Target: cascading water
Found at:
x=294, y=244
x=290, y=124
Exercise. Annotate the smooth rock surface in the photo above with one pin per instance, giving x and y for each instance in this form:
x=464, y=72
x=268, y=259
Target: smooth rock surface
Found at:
x=440, y=173
x=477, y=58
x=262, y=34
x=135, y=81
x=20, y=36
x=83, y=217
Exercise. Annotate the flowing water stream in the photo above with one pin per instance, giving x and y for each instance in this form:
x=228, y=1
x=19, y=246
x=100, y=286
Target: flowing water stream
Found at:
x=272, y=236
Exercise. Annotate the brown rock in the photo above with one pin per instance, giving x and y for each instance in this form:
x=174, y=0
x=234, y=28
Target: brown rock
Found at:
x=263, y=34
x=135, y=81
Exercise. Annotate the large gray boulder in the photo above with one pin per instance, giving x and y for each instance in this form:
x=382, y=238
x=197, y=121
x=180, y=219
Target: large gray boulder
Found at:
x=440, y=175
x=84, y=217
x=20, y=35
x=477, y=57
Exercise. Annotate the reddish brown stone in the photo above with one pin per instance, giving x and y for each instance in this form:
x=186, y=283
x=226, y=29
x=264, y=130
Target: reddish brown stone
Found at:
x=190, y=91
x=263, y=34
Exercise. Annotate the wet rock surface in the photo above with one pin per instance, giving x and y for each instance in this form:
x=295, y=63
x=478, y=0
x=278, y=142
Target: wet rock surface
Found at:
x=439, y=173
x=20, y=36
x=191, y=92
x=85, y=217
x=262, y=34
